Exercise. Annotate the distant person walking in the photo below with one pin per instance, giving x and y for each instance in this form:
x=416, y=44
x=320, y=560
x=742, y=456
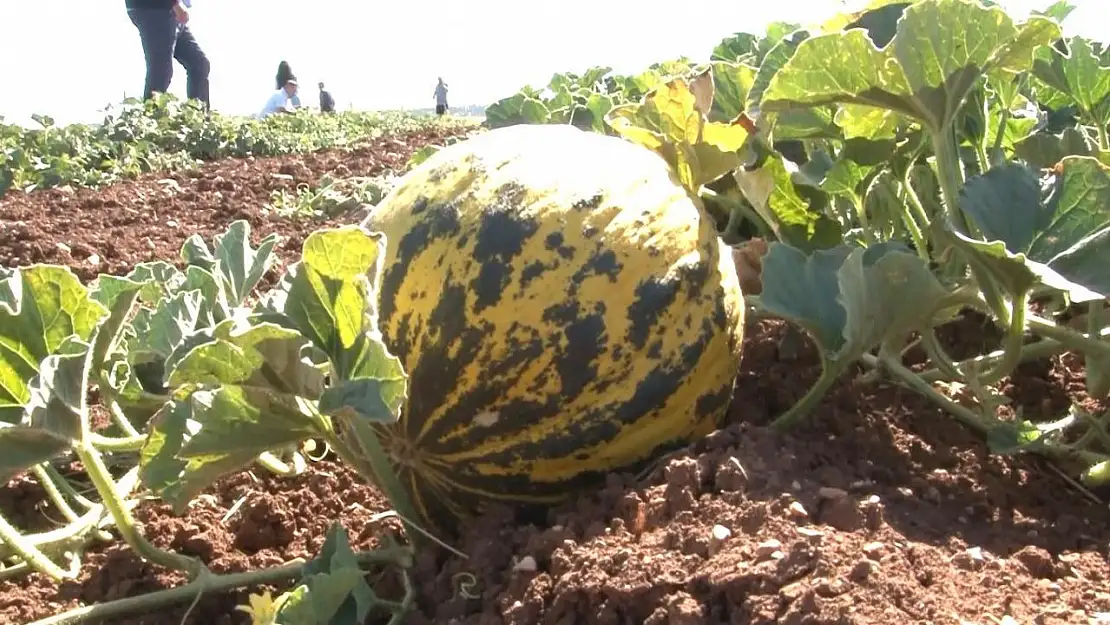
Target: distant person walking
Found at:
x=163, y=27
x=327, y=103
x=441, y=97
x=283, y=100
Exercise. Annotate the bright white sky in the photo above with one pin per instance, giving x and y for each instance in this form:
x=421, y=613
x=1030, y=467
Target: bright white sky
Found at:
x=70, y=58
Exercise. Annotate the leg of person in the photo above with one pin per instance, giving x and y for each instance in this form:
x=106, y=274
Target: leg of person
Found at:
x=196, y=64
x=158, y=33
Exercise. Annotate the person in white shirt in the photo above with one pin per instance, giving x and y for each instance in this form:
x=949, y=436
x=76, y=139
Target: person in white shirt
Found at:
x=284, y=100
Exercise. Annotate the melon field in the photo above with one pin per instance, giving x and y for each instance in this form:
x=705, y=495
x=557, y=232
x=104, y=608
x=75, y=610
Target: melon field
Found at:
x=812, y=330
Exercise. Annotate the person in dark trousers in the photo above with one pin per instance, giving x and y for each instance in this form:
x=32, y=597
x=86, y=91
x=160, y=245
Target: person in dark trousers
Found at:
x=163, y=27
x=441, y=97
x=327, y=103
x=284, y=75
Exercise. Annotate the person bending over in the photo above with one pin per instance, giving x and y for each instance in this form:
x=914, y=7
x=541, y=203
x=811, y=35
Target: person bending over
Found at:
x=284, y=100
x=163, y=27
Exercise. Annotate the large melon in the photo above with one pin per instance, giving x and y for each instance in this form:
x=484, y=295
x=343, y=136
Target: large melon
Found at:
x=563, y=309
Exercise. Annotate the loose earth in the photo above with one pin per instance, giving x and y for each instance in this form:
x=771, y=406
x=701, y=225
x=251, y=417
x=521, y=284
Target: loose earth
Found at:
x=879, y=510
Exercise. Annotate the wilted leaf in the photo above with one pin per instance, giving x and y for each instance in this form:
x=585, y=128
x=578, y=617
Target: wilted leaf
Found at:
x=58, y=404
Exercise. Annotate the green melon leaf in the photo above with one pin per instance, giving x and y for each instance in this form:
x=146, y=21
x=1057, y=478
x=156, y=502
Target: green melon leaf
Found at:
x=671, y=121
x=327, y=295
x=777, y=56
x=808, y=123
x=1042, y=150
x=771, y=191
x=1083, y=75
x=1008, y=438
x=160, y=279
x=731, y=83
x=850, y=299
x=264, y=356
x=867, y=122
x=1062, y=240
x=242, y=420
x=172, y=478
x=333, y=589
x=252, y=391
x=599, y=105
x=40, y=307
x=159, y=331
x=374, y=399
x=924, y=72
x=237, y=266
x=58, y=404
x=22, y=447
x=735, y=48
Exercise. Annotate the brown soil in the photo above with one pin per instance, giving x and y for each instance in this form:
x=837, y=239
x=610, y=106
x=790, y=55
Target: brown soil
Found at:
x=880, y=509
x=112, y=229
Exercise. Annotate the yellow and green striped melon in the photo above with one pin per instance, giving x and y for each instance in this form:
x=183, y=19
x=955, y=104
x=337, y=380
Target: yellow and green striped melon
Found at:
x=562, y=307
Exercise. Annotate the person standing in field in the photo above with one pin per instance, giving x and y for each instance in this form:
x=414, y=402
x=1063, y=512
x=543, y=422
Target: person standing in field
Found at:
x=327, y=103
x=441, y=97
x=163, y=27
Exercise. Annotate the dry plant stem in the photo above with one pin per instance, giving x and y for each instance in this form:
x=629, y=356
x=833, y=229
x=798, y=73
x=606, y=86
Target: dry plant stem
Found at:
x=218, y=583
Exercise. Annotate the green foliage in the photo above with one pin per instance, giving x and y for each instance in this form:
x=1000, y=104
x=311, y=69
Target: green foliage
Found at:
x=901, y=175
x=908, y=161
x=332, y=197
x=167, y=133
x=219, y=376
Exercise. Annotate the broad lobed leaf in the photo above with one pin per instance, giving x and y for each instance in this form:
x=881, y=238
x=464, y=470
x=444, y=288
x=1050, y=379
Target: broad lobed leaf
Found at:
x=939, y=51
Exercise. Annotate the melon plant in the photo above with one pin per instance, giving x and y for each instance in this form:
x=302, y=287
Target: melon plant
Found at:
x=562, y=308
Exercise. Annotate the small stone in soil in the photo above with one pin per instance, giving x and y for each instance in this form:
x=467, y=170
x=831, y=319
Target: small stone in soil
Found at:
x=798, y=512
x=828, y=492
x=527, y=564
x=768, y=548
x=874, y=549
